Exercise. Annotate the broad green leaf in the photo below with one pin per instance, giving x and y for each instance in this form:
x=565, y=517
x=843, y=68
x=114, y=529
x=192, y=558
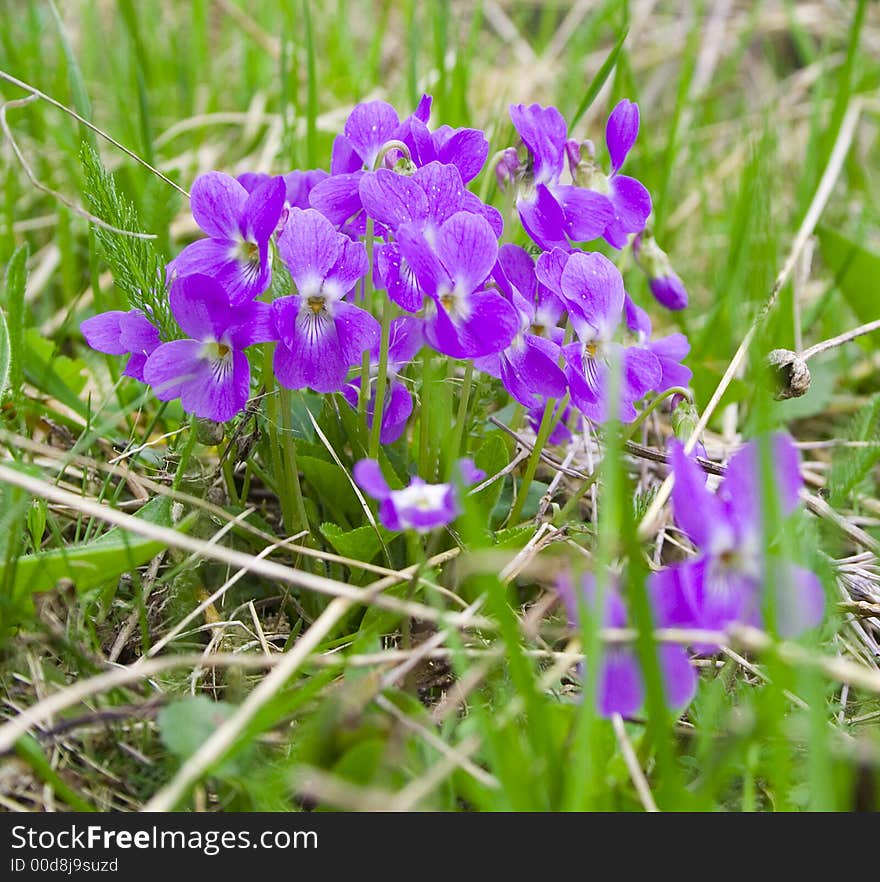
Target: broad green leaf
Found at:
x=331, y=487
x=362, y=543
x=5, y=353
x=97, y=562
x=491, y=458
x=13, y=302
x=856, y=270
x=185, y=725
x=57, y=375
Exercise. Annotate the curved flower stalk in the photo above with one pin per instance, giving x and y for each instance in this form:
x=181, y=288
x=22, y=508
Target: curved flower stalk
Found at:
x=464, y=319
x=731, y=577
x=240, y=225
x=629, y=199
x=592, y=290
x=529, y=366
x=209, y=372
x=621, y=688
x=123, y=333
x=554, y=214
x=423, y=201
x=320, y=334
x=404, y=342
x=421, y=507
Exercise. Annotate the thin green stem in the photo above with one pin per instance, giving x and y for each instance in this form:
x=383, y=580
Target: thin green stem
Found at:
x=185, y=455
x=461, y=416
x=291, y=472
x=633, y=427
x=548, y=421
x=275, y=446
x=382, y=379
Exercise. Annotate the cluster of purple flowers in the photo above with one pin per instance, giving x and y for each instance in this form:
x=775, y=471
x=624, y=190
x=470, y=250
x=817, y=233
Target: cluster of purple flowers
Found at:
x=556, y=325
x=398, y=190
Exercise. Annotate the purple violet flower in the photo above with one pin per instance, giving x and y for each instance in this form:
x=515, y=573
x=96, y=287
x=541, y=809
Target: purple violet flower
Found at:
x=464, y=320
x=561, y=433
x=121, y=333
x=321, y=334
x=209, y=372
x=554, y=214
x=404, y=341
x=421, y=507
x=298, y=185
x=728, y=581
x=240, y=225
x=629, y=199
x=422, y=201
x=529, y=366
x=620, y=688
x=670, y=350
x=667, y=288
x=592, y=289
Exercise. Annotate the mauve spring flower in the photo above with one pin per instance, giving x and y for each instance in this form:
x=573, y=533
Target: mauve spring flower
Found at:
x=405, y=338
x=667, y=288
x=123, y=333
x=209, y=372
x=464, y=148
x=552, y=213
x=529, y=366
x=320, y=334
x=670, y=350
x=298, y=186
x=421, y=507
x=592, y=289
x=464, y=320
x=423, y=201
x=629, y=199
x=620, y=685
x=240, y=225
x=731, y=578
x=561, y=433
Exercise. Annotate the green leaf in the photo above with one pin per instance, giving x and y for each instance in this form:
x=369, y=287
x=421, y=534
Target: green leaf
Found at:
x=13, y=299
x=57, y=375
x=362, y=543
x=185, y=725
x=5, y=354
x=305, y=403
x=332, y=488
x=599, y=80
x=856, y=270
x=492, y=457
x=97, y=562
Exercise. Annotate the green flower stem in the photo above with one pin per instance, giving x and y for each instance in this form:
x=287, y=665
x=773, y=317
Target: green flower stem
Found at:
x=382, y=379
x=461, y=417
x=292, y=486
x=425, y=416
x=548, y=422
x=675, y=390
x=185, y=455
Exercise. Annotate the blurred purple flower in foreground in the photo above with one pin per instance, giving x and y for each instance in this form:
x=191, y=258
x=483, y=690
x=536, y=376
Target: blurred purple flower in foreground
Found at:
x=730, y=579
x=421, y=507
x=621, y=687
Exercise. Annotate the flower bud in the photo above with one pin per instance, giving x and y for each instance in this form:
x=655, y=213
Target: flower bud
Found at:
x=506, y=167
x=667, y=288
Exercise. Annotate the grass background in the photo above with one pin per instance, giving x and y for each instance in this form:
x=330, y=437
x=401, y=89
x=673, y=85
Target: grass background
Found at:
x=741, y=106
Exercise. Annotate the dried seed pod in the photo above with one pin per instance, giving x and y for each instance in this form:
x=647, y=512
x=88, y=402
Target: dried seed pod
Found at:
x=790, y=372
